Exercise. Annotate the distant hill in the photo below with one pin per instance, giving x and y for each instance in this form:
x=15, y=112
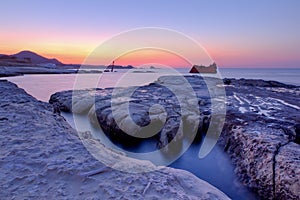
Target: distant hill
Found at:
x=28, y=58
x=35, y=58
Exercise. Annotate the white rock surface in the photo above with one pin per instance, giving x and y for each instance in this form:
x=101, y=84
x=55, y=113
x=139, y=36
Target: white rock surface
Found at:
x=43, y=158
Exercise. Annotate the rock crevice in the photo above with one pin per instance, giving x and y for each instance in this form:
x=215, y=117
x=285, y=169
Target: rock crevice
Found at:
x=274, y=166
x=259, y=137
x=257, y=133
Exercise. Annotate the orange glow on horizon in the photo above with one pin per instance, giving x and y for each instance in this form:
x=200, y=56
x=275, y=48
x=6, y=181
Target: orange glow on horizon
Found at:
x=149, y=56
x=135, y=58
x=75, y=50
x=66, y=58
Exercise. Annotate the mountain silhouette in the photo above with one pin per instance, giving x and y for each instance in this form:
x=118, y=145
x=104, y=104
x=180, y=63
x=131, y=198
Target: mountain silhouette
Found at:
x=34, y=58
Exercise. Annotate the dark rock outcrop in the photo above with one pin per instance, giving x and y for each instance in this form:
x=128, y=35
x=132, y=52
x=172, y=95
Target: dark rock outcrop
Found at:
x=297, y=133
x=204, y=69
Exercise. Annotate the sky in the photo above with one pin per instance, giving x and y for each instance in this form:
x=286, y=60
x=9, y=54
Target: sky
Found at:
x=235, y=33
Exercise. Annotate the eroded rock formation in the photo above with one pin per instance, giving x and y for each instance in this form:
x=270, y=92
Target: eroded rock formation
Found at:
x=43, y=158
x=261, y=133
x=260, y=136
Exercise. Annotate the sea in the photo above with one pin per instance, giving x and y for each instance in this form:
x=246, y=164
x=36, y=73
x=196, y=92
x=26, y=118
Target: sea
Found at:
x=216, y=168
x=285, y=75
x=42, y=86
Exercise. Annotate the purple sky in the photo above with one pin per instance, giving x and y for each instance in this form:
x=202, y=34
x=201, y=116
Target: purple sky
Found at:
x=235, y=33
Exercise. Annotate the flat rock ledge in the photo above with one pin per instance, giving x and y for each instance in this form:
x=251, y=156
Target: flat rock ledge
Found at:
x=122, y=112
x=43, y=158
x=261, y=132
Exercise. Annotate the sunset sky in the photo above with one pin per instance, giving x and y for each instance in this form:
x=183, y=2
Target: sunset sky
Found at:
x=235, y=33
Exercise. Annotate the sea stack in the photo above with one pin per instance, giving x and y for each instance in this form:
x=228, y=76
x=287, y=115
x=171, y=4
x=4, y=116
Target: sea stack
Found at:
x=211, y=69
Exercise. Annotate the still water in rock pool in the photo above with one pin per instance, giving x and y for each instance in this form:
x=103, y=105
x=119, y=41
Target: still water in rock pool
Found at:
x=215, y=168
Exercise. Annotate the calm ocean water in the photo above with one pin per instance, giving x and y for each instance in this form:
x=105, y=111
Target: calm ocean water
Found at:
x=288, y=76
x=216, y=168
x=42, y=86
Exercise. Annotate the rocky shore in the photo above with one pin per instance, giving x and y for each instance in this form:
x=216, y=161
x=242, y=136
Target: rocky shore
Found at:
x=18, y=71
x=42, y=157
x=262, y=138
x=6, y=71
x=261, y=131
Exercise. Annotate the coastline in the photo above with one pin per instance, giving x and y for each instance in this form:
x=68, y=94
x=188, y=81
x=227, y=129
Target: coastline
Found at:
x=43, y=158
x=236, y=136
x=6, y=71
x=259, y=135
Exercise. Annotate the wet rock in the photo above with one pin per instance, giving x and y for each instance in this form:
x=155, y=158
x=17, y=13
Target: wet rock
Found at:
x=62, y=101
x=227, y=81
x=297, y=132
